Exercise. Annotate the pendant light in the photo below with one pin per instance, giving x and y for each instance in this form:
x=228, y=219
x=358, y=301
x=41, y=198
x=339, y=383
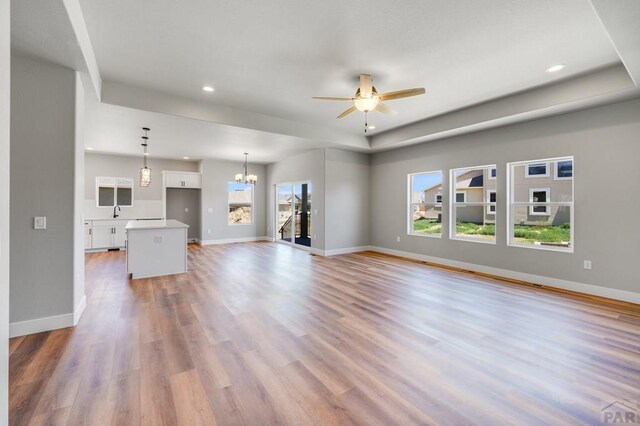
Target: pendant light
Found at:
x=145, y=172
x=246, y=177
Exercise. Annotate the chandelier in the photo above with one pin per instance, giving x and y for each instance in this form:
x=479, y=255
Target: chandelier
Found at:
x=246, y=177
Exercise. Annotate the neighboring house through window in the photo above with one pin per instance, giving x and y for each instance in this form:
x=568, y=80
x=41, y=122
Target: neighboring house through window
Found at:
x=534, y=170
x=425, y=204
x=539, y=195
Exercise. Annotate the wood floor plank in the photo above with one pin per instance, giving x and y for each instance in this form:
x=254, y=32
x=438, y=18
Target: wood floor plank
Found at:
x=261, y=333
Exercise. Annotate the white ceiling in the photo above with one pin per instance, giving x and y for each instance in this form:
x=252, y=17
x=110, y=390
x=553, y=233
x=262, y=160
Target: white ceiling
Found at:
x=116, y=129
x=271, y=57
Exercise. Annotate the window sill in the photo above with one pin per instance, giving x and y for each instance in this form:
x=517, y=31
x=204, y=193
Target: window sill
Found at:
x=472, y=240
x=424, y=235
x=542, y=247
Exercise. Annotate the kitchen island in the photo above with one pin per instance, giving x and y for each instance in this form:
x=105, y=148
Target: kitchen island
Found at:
x=156, y=247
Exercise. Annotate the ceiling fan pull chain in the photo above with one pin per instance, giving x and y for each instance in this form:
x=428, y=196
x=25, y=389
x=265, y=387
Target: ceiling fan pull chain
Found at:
x=365, y=122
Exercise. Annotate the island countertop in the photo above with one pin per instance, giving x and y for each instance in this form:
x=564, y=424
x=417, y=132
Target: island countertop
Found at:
x=155, y=224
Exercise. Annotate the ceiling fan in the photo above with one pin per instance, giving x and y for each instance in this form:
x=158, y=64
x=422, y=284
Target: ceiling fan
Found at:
x=368, y=99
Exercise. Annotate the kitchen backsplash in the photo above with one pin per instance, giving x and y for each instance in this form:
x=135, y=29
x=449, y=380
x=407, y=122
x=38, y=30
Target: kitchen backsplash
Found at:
x=140, y=209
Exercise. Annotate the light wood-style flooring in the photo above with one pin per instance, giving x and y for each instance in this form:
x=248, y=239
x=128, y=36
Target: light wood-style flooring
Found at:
x=261, y=333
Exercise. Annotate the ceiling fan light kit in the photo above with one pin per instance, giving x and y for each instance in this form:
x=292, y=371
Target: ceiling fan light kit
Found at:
x=367, y=99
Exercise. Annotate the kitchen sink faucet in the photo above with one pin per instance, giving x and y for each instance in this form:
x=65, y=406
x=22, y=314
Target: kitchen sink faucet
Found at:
x=114, y=211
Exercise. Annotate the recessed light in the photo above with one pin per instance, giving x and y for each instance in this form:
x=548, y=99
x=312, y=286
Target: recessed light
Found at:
x=555, y=68
x=371, y=127
x=208, y=88
x=89, y=149
x=185, y=158
x=146, y=153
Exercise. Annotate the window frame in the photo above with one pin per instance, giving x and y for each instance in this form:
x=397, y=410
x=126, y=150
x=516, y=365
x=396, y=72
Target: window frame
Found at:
x=253, y=194
x=115, y=183
x=511, y=204
x=530, y=176
x=453, y=191
x=411, y=204
x=555, y=170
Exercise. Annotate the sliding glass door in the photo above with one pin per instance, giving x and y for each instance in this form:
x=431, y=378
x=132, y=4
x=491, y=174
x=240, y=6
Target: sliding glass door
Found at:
x=293, y=213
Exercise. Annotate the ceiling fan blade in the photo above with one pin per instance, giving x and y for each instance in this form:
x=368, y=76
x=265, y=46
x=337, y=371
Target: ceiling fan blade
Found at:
x=385, y=109
x=365, y=85
x=347, y=112
x=389, y=96
x=324, y=98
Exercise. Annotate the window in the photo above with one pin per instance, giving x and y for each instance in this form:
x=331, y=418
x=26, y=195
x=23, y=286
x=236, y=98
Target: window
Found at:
x=473, y=211
x=536, y=197
x=425, y=204
x=563, y=170
x=492, y=173
x=534, y=170
x=541, y=216
x=111, y=192
x=491, y=200
x=240, y=203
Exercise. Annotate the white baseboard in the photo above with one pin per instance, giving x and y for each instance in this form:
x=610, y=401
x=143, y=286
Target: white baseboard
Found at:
x=39, y=325
x=610, y=293
x=345, y=250
x=77, y=313
x=233, y=240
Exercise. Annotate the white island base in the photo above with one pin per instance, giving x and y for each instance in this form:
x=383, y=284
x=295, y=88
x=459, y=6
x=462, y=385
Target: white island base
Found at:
x=156, y=247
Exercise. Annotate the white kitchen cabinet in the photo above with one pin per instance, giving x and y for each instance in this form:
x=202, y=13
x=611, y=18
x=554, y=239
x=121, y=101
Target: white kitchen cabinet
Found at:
x=182, y=179
x=87, y=237
x=119, y=236
x=105, y=234
x=101, y=237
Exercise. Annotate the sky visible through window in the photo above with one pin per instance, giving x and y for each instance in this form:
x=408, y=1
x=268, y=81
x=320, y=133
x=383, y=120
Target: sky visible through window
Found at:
x=426, y=180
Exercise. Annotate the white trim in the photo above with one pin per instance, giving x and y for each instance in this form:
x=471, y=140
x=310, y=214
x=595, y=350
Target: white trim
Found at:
x=590, y=289
x=77, y=313
x=234, y=240
x=546, y=207
x=555, y=169
x=38, y=325
x=535, y=163
x=345, y=250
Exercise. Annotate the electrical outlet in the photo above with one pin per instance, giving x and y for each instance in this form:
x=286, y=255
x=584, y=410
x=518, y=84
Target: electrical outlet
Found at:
x=186, y=209
x=210, y=209
x=398, y=238
x=587, y=264
x=158, y=239
x=208, y=231
x=40, y=222
x=315, y=212
x=315, y=236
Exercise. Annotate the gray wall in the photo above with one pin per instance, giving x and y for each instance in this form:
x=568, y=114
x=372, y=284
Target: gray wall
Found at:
x=304, y=167
x=178, y=200
x=605, y=144
x=215, y=177
x=347, y=188
x=4, y=207
x=78, y=197
x=42, y=184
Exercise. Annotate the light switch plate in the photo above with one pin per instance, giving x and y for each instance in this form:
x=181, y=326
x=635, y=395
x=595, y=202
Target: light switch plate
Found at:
x=210, y=209
x=40, y=222
x=186, y=209
x=587, y=264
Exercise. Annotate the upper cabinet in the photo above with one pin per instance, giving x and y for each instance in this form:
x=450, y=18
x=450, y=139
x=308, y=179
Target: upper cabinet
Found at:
x=182, y=179
x=111, y=191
